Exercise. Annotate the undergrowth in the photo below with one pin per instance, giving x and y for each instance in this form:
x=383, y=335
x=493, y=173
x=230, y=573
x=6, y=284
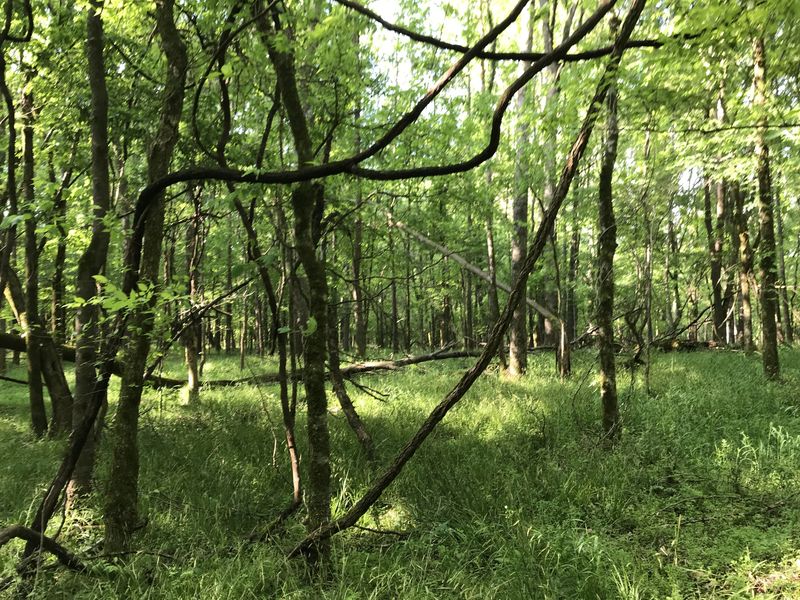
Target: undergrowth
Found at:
x=513, y=496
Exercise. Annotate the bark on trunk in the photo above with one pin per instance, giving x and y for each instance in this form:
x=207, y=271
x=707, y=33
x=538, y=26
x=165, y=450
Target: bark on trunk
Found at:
x=121, y=512
x=93, y=260
x=769, y=296
x=518, y=347
x=192, y=337
x=786, y=311
x=745, y=259
x=34, y=329
x=606, y=247
x=308, y=206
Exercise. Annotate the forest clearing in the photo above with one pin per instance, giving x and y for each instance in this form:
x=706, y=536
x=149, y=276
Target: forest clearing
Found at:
x=323, y=299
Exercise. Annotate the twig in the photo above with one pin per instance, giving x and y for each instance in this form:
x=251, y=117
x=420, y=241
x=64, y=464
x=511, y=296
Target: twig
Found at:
x=402, y=534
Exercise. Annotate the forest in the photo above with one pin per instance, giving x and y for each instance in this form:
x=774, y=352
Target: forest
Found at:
x=413, y=299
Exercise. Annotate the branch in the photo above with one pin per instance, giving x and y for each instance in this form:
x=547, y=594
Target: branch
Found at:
x=64, y=556
x=519, y=56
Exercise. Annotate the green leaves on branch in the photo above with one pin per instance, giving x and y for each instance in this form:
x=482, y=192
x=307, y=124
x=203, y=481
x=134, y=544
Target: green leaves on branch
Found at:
x=113, y=299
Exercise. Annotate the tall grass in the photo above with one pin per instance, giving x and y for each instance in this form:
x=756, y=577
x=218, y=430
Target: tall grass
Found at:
x=514, y=496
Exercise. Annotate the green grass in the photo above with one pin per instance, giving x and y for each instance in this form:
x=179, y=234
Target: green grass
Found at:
x=512, y=497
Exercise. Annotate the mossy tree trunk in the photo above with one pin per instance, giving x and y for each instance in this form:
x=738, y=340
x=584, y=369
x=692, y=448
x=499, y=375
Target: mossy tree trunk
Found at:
x=307, y=207
x=606, y=247
x=93, y=260
x=518, y=348
x=767, y=263
x=121, y=512
x=34, y=329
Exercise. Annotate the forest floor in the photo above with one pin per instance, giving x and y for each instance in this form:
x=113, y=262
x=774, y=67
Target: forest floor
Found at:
x=514, y=496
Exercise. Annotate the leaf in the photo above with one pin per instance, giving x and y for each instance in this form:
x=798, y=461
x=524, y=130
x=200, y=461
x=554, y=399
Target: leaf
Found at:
x=311, y=326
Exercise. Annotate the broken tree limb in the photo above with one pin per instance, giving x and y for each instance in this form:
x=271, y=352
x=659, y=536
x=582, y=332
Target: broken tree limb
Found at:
x=351, y=370
x=64, y=556
x=460, y=260
x=9, y=341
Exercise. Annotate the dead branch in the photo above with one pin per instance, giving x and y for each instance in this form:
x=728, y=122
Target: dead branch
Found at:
x=64, y=556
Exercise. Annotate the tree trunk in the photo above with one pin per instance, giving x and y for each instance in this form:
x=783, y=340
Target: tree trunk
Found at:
x=572, y=274
x=563, y=358
x=395, y=326
x=788, y=333
x=3, y=354
x=518, y=348
x=192, y=337
x=606, y=247
x=121, y=512
x=58, y=313
x=769, y=296
x=230, y=343
x=93, y=260
x=34, y=330
x=494, y=304
x=673, y=307
x=308, y=207
x=243, y=334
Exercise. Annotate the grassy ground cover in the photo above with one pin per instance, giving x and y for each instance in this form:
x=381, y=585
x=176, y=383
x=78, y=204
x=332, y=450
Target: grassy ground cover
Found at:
x=513, y=497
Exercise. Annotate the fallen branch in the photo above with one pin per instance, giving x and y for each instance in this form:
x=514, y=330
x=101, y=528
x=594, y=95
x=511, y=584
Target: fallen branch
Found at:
x=9, y=341
x=64, y=556
x=348, y=371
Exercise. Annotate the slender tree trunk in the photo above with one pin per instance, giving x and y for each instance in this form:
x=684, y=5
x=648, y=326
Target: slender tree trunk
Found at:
x=3, y=354
x=671, y=271
x=243, y=334
x=494, y=303
x=715, y=254
x=769, y=296
x=407, y=332
x=58, y=315
x=518, y=349
x=572, y=274
x=193, y=334
x=121, y=512
x=93, y=260
x=606, y=247
x=563, y=358
x=308, y=207
x=395, y=326
x=788, y=333
x=745, y=259
x=469, y=335
x=34, y=330
x=230, y=343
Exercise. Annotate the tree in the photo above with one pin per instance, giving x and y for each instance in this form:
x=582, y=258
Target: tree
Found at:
x=769, y=296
